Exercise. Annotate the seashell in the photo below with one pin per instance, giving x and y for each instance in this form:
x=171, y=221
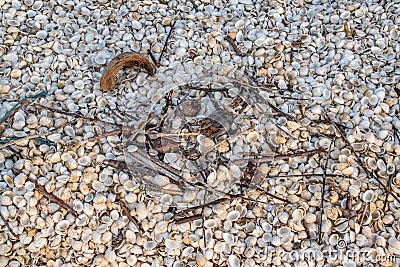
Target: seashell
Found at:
x=314, y=188
x=150, y=245
x=252, y=136
x=84, y=161
x=19, y=180
x=239, y=24
x=210, y=223
x=283, y=232
x=358, y=146
x=110, y=256
x=62, y=227
x=394, y=245
x=354, y=190
x=390, y=168
x=229, y=238
x=233, y=261
x=310, y=218
x=376, y=50
x=381, y=164
x=259, y=42
x=130, y=236
x=12, y=57
x=233, y=215
x=298, y=214
x=99, y=186
x=172, y=244
x=141, y=210
x=188, y=251
x=235, y=171
x=342, y=225
x=369, y=196
x=371, y=162
x=219, y=247
x=283, y=217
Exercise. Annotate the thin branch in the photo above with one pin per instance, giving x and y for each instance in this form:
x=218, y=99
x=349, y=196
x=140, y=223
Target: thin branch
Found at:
x=76, y=115
x=14, y=110
x=128, y=214
x=185, y=211
x=321, y=207
x=166, y=41
x=269, y=158
x=234, y=46
x=53, y=198
x=98, y=137
x=155, y=61
x=19, y=104
x=7, y=225
x=388, y=188
x=359, y=161
x=188, y=219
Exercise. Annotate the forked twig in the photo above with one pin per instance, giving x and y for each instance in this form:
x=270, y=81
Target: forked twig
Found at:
x=359, y=161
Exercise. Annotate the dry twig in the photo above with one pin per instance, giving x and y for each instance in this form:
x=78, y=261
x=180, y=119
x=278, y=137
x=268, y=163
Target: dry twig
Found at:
x=53, y=198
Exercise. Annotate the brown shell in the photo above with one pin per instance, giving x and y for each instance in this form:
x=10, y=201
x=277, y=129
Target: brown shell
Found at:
x=124, y=60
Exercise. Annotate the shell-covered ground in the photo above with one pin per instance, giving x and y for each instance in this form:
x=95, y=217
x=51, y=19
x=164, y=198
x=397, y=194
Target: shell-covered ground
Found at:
x=301, y=168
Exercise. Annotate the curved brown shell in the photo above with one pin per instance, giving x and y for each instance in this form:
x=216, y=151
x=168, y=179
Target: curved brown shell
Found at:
x=124, y=60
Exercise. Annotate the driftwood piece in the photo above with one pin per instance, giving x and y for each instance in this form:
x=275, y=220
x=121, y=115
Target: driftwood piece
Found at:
x=124, y=60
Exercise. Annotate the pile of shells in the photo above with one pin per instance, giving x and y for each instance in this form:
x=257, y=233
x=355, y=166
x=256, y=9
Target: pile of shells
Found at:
x=320, y=82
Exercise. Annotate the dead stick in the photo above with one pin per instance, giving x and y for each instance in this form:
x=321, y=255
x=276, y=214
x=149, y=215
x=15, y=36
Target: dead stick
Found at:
x=53, y=198
x=95, y=138
x=128, y=214
x=189, y=219
x=22, y=139
x=265, y=192
x=321, y=207
x=166, y=41
x=15, y=110
x=155, y=61
x=7, y=225
x=272, y=158
x=388, y=187
x=76, y=115
x=364, y=212
x=214, y=202
x=234, y=46
x=359, y=161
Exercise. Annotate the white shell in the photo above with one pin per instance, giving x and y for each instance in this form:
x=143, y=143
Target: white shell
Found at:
x=150, y=245
x=229, y=238
x=233, y=215
x=219, y=247
x=172, y=244
x=239, y=24
x=210, y=223
x=252, y=136
x=283, y=231
x=233, y=261
x=369, y=196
